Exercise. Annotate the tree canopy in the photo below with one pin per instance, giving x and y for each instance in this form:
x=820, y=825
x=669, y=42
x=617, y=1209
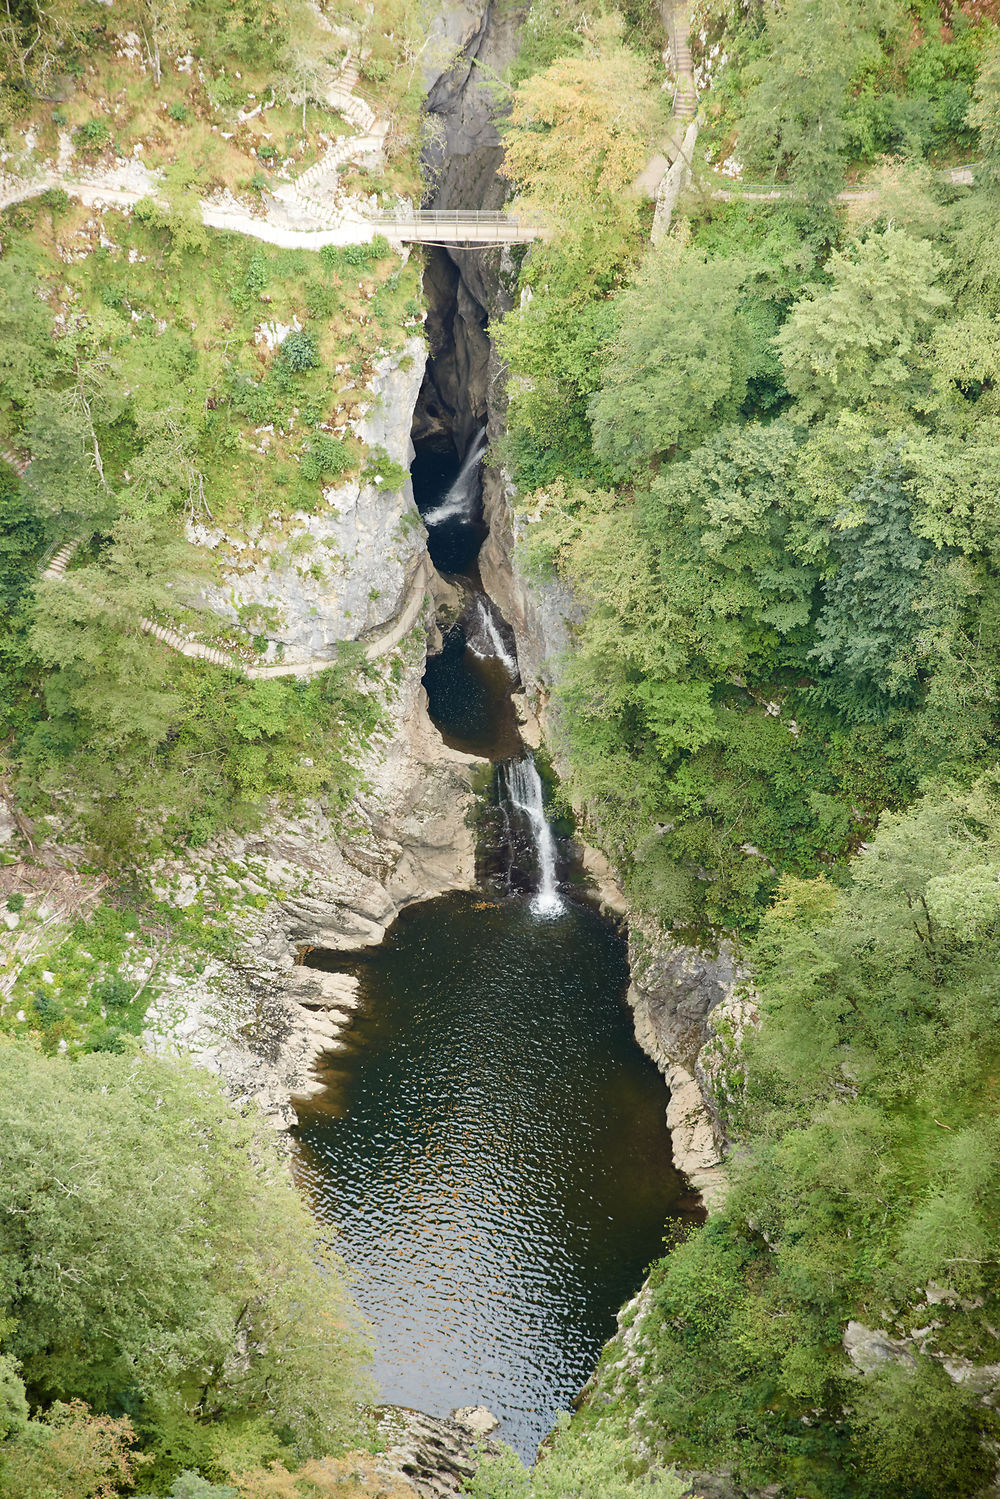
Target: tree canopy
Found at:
x=155, y=1256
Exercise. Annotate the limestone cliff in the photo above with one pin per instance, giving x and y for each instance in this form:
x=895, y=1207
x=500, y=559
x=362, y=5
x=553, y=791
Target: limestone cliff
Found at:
x=346, y=570
x=258, y=1020
x=464, y=288
x=314, y=879
x=691, y=1010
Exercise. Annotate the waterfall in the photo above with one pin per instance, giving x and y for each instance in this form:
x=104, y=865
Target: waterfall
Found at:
x=458, y=500
x=484, y=639
x=524, y=793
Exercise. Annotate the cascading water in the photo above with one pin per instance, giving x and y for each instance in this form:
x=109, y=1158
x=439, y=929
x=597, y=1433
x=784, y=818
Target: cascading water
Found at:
x=484, y=638
x=459, y=500
x=522, y=786
x=491, y=1143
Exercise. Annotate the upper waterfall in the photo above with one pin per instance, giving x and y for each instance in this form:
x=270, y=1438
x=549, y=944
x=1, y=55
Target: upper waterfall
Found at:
x=459, y=501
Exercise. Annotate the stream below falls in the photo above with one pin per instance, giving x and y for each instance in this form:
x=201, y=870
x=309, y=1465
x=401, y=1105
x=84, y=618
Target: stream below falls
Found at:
x=491, y=1143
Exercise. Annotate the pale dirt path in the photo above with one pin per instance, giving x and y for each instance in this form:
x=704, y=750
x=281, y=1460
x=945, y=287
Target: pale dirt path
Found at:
x=306, y=213
x=375, y=647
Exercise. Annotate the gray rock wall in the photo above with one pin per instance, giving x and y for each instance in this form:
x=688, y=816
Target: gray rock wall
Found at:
x=690, y=1011
x=341, y=572
x=466, y=287
x=259, y=1021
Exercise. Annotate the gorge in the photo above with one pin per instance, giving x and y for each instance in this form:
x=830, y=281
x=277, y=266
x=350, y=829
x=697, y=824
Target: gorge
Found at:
x=499, y=797
x=489, y=1141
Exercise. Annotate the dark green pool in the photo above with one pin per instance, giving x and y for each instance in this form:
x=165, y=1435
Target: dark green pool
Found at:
x=494, y=1150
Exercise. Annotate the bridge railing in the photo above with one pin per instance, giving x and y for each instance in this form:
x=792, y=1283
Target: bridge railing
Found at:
x=479, y=222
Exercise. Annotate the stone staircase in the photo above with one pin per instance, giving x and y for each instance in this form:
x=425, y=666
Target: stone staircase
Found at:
x=315, y=192
x=62, y=559
x=192, y=648
x=679, y=150
x=18, y=464
x=686, y=96
x=316, y=189
x=341, y=95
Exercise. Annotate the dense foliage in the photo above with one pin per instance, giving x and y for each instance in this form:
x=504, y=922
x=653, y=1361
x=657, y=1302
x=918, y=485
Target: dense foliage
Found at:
x=138, y=426
x=765, y=456
x=760, y=451
x=156, y=1261
x=868, y=1103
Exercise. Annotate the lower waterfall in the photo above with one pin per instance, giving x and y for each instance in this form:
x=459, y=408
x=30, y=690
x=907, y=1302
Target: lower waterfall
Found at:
x=522, y=792
x=490, y=1143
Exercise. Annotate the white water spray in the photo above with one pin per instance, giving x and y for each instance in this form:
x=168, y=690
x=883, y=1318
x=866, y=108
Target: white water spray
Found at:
x=458, y=499
x=486, y=640
x=524, y=791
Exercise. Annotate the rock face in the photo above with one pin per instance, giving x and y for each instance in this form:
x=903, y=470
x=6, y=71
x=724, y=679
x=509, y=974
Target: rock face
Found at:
x=542, y=613
x=435, y=1455
x=464, y=149
x=464, y=288
x=261, y=1021
x=453, y=402
x=343, y=572
x=690, y=1012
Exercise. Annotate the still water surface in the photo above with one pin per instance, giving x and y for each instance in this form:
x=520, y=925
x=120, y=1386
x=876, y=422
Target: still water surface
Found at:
x=493, y=1148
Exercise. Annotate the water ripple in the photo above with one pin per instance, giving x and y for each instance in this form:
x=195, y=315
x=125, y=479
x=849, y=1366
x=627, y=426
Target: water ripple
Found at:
x=493, y=1149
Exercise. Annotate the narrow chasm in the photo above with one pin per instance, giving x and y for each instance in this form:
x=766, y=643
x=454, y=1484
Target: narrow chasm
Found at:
x=491, y=1143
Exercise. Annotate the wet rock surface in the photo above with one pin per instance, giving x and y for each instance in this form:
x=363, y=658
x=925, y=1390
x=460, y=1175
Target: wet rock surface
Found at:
x=435, y=1454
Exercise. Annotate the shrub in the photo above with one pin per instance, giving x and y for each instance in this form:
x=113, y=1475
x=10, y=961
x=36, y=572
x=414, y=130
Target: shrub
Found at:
x=325, y=456
x=376, y=69
x=109, y=1038
x=94, y=135
x=49, y=1009
x=55, y=200
x=299, y=351
x=114, y=992
x=71, y=1453
x=178, y=112
x=388, y=475
x=323, y=299
x=336, y=257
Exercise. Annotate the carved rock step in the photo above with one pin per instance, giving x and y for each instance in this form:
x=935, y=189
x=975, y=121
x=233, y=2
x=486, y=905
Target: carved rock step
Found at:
x=323, y=991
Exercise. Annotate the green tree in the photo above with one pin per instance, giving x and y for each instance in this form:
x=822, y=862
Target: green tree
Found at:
x=984, y=112
x=680, y=356
x=69, y=1453
x=875, y=596
x=797, y=88
x=150, y=1230
x=864, y=342
x=577, y=132
x=865, y=1172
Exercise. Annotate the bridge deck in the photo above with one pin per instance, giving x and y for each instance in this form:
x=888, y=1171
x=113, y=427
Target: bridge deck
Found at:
x=459, y=226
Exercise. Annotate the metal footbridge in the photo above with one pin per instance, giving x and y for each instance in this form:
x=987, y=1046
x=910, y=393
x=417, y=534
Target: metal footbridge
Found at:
x=458, y=226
